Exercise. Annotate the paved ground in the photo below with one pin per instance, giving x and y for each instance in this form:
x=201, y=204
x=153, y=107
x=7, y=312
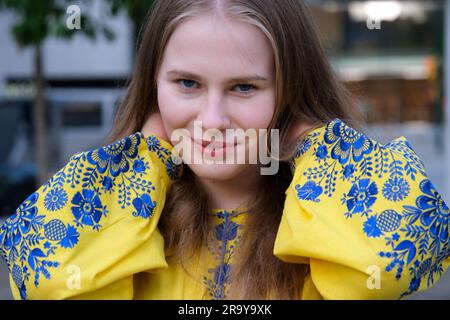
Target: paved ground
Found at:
x=422, y=139
x=5, y=293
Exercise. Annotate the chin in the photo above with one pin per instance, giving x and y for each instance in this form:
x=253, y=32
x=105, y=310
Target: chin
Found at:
x=218, y=172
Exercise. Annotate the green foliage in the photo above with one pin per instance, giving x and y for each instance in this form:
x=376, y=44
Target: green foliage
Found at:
x=136, y=9
x=37, y=20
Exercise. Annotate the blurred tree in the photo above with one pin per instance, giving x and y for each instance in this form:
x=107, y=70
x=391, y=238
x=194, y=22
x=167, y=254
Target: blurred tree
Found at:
x=37, y=20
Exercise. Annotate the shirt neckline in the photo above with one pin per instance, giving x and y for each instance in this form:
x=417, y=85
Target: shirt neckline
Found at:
x=221, y=213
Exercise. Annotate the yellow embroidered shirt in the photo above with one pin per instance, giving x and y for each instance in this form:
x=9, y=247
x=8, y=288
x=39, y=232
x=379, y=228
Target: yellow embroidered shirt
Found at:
x=363, y=216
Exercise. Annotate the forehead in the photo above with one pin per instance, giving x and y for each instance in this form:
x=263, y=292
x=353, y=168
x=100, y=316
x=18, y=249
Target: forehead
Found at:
x=211, y=43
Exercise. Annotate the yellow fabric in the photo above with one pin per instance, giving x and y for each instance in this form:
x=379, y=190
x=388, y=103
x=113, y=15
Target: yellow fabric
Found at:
x=356, y=211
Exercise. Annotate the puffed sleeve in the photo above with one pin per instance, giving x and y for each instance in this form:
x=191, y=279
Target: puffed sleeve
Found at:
x=86, y=231
x=364, y=216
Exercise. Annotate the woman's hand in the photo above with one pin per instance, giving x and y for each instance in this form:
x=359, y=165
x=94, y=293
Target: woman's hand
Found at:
x=154, y=126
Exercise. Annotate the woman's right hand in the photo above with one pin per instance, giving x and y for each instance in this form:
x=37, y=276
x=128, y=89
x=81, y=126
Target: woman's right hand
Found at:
x=155, y=126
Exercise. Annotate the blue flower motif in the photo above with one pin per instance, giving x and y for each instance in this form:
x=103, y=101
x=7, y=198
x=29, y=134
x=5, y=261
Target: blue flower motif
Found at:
x=396, y=189
x=144, y=206
x=107, y=183
x=435, y=212
x=347, y=142
x=20, y=223
x=361, y=196
x=322, y=152
x=71, y=238
x=371, y=229
x=87, y=208
x=115, y=156
x=139, y=166
x=55, y=199
x=309, y=191
x=349, y=170
x=226, y=231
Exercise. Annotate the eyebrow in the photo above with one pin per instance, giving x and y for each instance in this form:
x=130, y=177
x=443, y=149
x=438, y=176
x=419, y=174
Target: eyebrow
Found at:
x=190, y=75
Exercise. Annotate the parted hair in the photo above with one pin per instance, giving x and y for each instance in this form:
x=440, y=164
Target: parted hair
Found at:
x=306, y=89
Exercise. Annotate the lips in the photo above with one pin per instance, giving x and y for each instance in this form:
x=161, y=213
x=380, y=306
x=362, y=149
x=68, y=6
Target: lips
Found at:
x=215, y=144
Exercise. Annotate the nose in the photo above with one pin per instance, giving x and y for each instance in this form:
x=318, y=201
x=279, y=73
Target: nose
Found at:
x=214, y=115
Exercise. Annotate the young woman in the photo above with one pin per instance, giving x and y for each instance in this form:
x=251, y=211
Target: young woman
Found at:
x=344, y=217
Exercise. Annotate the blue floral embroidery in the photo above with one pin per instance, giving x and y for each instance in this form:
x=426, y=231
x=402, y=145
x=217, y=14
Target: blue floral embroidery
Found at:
x=221, y=277
x=430, y=237
x=87, y=208
x=304, y=145
x=387, y=221
x=139, y=166
x=418, y=236
x=310, y=191
x=348, y=171
x=66, y=237
x=154, y=145
x=222, y=246
x=347, y=143
x=115, y=156
x=55, y=199
x=322, y=151
x=226, y=231
x=27, y=242
x=361, y=197
x=18, y=237
x=396, y=189
x=414, y=164
x=173, y=170
x=18, y=225
x=108, y=183
x=144, y=206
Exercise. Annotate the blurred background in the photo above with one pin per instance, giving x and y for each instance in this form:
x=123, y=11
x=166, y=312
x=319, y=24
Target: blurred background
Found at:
x=60, y=84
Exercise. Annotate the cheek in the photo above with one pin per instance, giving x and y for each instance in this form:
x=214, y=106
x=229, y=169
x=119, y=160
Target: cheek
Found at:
x=258, y=113
x=173, y=113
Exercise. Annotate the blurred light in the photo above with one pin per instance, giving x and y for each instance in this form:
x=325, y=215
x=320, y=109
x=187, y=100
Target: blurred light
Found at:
x=375, y=10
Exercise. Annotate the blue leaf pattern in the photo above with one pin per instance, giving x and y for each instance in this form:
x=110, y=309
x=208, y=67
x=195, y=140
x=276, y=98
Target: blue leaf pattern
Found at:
x=28, y=242
x=416, y=236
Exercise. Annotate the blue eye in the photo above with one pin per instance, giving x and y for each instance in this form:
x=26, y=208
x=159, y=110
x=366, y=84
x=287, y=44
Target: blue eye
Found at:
x=186, y=83
x=244, y=88
x=247, y=87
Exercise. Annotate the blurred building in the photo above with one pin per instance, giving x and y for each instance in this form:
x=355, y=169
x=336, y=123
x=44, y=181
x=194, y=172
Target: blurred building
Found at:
x=389, y=54
x=84, y=82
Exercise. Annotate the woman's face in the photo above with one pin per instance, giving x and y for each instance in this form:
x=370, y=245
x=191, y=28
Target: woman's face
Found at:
x=219, y=72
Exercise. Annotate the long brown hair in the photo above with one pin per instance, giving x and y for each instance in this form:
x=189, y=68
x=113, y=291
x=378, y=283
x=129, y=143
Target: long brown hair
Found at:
x=306, y=89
